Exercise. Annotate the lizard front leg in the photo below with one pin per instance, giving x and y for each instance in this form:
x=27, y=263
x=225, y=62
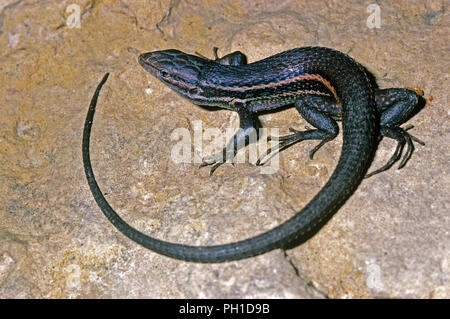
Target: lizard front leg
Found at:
x=247, y=128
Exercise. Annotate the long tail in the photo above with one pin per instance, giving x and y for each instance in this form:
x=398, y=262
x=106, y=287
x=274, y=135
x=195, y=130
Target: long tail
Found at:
x=357, y=152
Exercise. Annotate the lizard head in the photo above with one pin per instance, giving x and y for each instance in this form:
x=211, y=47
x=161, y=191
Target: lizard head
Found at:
x=176, y=69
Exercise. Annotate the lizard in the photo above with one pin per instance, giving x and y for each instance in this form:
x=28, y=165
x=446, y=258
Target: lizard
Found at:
x=323, y=84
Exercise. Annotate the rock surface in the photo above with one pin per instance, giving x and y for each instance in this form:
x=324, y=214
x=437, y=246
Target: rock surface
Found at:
x=391, y=239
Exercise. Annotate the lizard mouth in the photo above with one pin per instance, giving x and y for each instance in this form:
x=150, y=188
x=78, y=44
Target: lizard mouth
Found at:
x=148, y=63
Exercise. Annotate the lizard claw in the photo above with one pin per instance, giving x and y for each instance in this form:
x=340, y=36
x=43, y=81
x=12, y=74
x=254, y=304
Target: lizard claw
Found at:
x=403, y=139
x=214, y=161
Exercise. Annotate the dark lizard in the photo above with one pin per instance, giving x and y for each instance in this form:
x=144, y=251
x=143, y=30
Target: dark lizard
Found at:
x=323, y=84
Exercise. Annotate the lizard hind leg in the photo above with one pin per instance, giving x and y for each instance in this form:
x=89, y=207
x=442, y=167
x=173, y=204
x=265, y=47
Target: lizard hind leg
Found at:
x=320, y=112
x=396, y=106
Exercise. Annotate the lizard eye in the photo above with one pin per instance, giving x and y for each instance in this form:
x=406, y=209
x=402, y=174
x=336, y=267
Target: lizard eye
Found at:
x=164, y=74
x=193, y=91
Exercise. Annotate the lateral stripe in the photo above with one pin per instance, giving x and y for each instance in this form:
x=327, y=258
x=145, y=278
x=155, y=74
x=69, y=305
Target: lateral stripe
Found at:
x=275, y=96
x=300, y=77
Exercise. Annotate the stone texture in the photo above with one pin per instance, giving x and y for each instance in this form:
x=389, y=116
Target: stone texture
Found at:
x=391, y=239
